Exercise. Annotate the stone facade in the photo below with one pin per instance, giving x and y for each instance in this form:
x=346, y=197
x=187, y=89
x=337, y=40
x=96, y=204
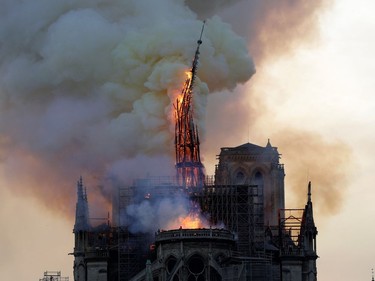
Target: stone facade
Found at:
x=262, y=241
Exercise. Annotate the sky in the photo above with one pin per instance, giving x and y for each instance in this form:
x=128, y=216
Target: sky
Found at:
x=313, y=99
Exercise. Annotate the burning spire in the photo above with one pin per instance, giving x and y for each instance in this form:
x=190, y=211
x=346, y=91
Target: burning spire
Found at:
x=188, y=163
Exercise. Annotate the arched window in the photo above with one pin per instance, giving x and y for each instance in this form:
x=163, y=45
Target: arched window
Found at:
x=240, y=178
x=196, y=268
x=196, y=264
x=170, y=264
x=258, y=180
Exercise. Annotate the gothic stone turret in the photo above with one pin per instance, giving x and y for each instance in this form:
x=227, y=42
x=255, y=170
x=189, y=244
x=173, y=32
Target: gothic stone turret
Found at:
x=308, y=240
x=298, y=256
x=81, y=228
x=90, y=248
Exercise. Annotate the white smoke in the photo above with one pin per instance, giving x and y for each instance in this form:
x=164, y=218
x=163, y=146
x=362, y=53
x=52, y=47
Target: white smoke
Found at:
x=164, y=213
x=149, y=216
x=88, y=85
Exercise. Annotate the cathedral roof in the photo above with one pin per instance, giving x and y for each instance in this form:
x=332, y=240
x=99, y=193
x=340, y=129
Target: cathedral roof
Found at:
x=249, y=149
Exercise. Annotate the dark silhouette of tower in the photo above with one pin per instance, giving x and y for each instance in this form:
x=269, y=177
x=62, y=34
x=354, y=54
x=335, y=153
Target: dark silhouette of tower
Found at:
x=308, y=240
x=81, y=232
x=188, y=163
x=82, y=209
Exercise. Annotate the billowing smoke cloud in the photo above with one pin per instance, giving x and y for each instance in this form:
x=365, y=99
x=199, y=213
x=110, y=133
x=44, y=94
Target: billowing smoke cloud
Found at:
x=87, y=87
x=146, y=217
x=272, y=27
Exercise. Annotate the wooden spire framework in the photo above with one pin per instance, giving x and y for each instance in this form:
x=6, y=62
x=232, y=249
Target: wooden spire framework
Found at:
x=190, y=170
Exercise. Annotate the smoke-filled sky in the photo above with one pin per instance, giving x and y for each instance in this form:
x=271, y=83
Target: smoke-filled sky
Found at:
x=87, y=87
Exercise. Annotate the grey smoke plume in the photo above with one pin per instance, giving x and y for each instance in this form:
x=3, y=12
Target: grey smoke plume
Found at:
x=87, y=86
x=272, y=27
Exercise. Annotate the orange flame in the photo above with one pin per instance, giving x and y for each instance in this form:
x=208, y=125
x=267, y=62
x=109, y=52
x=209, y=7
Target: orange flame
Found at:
x=190, y=221
x=188, y=74
x=176, y=96
x=186, y=85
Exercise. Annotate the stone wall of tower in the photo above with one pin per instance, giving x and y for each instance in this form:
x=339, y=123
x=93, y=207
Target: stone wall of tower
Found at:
x=79, y=269
x=292, y=269
x=255, y=165
x=97, y=270
x=190, y=254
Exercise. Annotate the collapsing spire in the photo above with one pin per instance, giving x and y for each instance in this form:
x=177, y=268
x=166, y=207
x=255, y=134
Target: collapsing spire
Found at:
x=188, y=163
x=82, y=209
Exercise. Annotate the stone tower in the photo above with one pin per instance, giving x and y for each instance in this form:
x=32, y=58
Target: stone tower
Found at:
x=255, y=165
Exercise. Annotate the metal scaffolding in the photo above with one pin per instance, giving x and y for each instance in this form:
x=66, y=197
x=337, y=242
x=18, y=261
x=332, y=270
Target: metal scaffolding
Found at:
x=240, y=209
x=128, y=256
x=133, y=248
x=290, y=221
x=53, y=276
